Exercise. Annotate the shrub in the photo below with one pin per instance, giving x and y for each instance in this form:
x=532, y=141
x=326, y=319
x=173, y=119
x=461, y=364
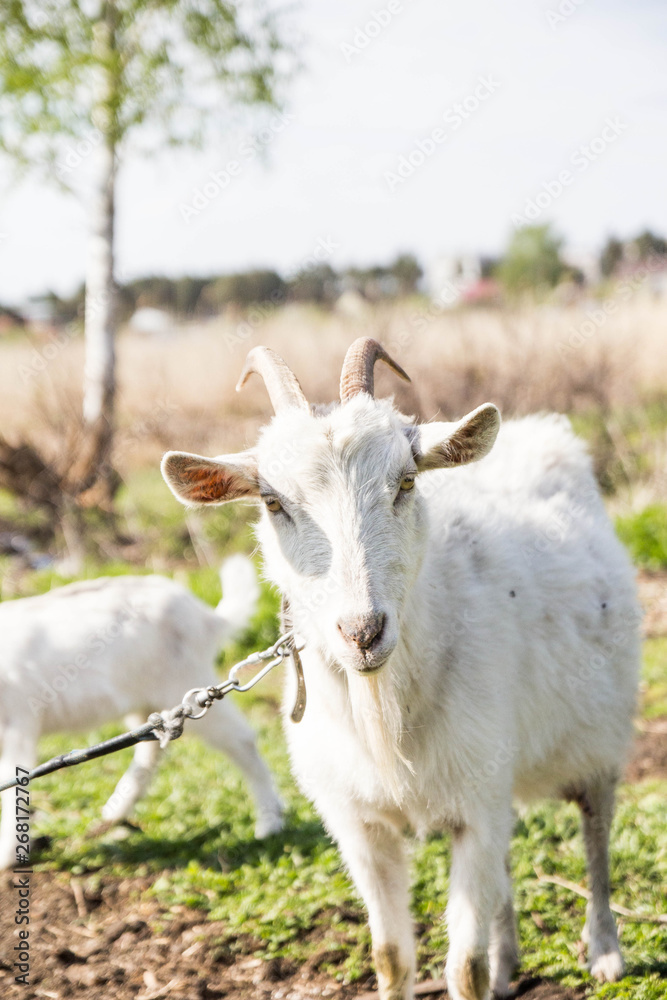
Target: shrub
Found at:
x=645, y=535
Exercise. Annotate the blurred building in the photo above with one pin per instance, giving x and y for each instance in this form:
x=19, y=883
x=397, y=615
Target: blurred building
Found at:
x=458, y=280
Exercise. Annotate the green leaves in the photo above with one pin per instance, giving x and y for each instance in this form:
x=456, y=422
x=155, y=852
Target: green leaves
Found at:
x=533, y=262
x=177, y=66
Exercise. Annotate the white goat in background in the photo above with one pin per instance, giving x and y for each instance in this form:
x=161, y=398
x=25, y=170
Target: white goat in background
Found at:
x=88, y=653
x=471, y=635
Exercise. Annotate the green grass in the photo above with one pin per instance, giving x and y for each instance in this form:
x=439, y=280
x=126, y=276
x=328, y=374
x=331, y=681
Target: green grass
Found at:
x=654, y=678
x=645, y=535
x=152, y=514
x=290, y=894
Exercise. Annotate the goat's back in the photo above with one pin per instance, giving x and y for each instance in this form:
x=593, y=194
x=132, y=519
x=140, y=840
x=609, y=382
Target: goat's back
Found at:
x=92, y=651
x=533, y=600
x=538, y=456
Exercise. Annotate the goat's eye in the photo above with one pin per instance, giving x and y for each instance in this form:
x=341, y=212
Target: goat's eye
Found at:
x=273, y=504
x=407, y=483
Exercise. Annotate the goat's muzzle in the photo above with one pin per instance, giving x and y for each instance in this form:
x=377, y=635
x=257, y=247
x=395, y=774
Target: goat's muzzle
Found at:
x=362, y=631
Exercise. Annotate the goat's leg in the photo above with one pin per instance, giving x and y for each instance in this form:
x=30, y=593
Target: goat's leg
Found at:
x=504, y=946
x=479, y=891
x=597, y=808
x=19, y=749
x=134, y=783
x=225, y=729
x=375, y=856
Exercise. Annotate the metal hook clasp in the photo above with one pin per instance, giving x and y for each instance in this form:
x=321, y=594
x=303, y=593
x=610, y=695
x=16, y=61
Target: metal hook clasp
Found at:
x=300, y=701
x=190, y=698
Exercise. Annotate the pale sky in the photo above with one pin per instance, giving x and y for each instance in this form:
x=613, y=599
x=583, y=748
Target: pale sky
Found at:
x=585, y=94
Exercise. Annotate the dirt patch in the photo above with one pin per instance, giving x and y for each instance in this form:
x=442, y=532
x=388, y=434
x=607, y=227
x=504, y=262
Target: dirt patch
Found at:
x=527, y=986
x=114, y=943
x=540, y=989
x=649, y=755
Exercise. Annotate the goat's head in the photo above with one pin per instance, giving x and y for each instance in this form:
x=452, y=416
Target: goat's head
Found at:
x=343, y=524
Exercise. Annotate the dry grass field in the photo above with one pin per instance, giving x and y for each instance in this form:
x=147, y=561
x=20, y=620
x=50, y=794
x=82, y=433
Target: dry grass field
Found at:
x=604, y=363
x=606, y=357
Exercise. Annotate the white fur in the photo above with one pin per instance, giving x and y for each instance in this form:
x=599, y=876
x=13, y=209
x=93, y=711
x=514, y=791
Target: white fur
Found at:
x=86, y=654
x=507, y=667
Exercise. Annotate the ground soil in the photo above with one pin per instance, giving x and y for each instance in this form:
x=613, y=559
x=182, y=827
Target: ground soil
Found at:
x=117, y=945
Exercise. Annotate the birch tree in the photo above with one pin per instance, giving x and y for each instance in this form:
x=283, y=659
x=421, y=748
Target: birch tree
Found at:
x=118, y=75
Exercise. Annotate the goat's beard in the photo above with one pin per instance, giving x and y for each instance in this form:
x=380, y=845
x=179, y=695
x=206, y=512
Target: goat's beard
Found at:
x=378, y=720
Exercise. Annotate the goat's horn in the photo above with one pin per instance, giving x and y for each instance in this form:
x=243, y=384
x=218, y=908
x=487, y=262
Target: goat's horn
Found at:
x=281, y=383
x=357, y=373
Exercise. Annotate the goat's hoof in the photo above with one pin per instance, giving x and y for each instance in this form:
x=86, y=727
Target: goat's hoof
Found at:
x=501, y=989
x=503, y=970
x=608, y=968
x=112, y=815
x=394, y=978
x=469, y=980
x=267, y=826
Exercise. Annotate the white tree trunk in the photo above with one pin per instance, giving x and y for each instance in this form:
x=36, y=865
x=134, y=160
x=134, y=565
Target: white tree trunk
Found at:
x=100, y=321
x=100, y=327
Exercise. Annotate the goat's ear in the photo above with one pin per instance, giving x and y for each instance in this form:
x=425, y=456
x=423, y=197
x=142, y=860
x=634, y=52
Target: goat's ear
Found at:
x=440, y=445
x=196, y=480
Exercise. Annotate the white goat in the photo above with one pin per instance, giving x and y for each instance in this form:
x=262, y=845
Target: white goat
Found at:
x=470, y=637
x=88, y=653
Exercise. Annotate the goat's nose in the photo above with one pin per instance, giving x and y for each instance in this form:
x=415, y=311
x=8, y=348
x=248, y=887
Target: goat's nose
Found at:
x=361, y=630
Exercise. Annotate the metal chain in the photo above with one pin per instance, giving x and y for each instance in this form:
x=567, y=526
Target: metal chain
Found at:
x=203, y=698
x=168, y=725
